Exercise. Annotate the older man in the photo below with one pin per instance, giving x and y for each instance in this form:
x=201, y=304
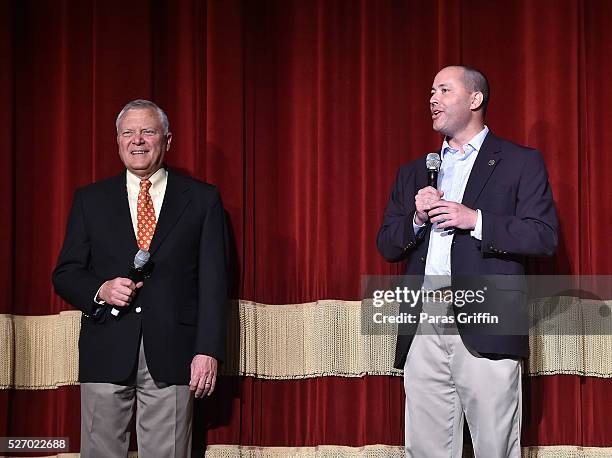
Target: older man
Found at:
x=155, y=340
x=492, y=208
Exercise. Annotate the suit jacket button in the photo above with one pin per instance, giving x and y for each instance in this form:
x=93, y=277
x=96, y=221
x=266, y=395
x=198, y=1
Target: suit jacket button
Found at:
x=138, y=310
x=422, y=259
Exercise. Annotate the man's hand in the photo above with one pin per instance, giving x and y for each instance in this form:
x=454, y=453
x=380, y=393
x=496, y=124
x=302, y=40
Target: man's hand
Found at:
x=452, y=214
x=424, y=200
x=119, y=291
x=203, y=375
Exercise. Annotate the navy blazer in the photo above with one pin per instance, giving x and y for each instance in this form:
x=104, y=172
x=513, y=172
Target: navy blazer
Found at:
x=509, y=184
x=182, y=303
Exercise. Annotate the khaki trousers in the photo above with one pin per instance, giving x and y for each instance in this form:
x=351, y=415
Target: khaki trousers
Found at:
x=446, y=382
x=163, y=417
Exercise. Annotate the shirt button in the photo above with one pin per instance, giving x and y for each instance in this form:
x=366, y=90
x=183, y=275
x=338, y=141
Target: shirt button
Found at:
x=138, y=310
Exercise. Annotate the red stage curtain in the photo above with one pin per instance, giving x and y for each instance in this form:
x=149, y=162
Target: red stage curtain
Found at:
x=301, y=112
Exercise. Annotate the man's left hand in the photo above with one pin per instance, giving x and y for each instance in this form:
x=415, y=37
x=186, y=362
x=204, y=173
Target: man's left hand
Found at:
x=452, y=214
x=203, y=375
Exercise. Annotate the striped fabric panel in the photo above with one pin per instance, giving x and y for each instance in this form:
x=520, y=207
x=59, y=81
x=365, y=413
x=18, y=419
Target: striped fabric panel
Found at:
x=297, y=341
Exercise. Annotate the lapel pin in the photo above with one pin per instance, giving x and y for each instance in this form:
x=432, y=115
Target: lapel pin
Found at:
x=492, y=162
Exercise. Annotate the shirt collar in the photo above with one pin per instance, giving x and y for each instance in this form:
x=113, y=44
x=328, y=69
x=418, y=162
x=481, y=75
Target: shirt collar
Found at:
x=133, y=181
x=474, y=144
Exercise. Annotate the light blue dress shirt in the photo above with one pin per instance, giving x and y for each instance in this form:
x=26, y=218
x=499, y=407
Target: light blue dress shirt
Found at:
x=454, y=174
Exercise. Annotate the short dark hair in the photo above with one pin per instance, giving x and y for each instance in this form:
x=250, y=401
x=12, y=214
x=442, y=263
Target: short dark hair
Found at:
x=476, y=81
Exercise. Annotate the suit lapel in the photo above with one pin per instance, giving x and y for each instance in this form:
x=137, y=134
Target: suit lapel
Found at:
x=488, y=158
x=119, y=215
x=175, y=201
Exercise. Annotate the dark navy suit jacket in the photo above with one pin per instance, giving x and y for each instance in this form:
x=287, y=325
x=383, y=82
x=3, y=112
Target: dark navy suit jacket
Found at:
x=509, y=184
x=182, y=303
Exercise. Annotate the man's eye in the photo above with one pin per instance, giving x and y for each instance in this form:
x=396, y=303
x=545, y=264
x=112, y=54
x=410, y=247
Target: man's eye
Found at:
x=127, y=133
x=148, y=132
x=444, y=90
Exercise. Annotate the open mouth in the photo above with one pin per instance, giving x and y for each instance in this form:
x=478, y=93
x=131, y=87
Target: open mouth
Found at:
x=138, y=152
x=435, y=114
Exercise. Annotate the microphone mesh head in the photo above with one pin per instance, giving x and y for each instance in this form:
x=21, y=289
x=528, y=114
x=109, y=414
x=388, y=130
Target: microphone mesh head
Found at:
x=433, y=161
x=141, y=258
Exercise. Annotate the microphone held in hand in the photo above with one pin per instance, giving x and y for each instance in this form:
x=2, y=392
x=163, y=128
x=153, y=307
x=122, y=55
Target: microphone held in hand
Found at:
x=137, y=273
x=138, y=270
x=433, y=163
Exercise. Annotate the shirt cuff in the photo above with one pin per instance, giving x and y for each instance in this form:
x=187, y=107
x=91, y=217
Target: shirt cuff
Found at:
x=96, y=299
x=477, y=232
x=415, y=226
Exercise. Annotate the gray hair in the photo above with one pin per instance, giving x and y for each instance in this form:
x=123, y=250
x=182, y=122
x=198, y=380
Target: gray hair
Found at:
x=476, y=81
x=141, y=104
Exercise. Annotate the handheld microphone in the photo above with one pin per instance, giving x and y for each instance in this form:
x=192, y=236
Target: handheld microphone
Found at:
x=136, y=273
x=433, y=163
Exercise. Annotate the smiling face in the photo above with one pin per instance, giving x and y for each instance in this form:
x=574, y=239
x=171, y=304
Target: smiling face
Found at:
x=453, y=107
x=142, y=142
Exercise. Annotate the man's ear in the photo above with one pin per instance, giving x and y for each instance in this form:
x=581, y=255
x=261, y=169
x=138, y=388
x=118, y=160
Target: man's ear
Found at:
x=477, y=99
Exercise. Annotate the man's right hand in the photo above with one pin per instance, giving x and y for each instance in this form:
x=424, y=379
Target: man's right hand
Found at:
x=119, y=291
x=423, y=200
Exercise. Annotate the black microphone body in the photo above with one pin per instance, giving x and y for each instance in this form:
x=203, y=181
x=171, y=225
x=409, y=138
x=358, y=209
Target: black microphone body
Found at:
x=433, y=162
x=138, y=272
x=432, y=178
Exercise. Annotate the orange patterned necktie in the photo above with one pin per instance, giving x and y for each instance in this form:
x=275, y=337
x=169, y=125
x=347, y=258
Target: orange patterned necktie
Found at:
x=146, y=216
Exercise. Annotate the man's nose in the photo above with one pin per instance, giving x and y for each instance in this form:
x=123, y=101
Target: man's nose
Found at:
x=433, y=100
x=137, y=139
